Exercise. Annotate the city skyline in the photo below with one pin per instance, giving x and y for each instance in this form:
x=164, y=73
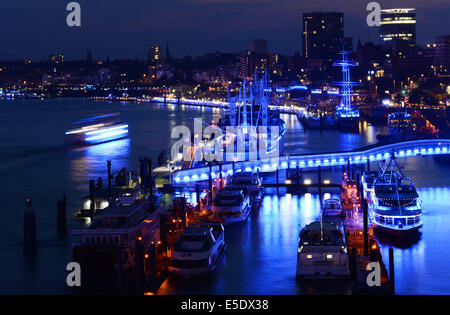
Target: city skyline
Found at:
x=230, y=27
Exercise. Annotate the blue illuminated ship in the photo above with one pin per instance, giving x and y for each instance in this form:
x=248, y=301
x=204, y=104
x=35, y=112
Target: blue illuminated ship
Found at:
x=98, y=129
x=348, y=116
x=250, y=111
x=394, y=202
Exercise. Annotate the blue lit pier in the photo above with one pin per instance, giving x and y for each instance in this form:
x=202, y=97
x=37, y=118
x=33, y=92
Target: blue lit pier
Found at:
x=308, y=161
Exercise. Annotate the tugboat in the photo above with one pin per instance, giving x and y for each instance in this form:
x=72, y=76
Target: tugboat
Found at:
x=322, y=253
x=198, y=250
x=394, y=202
x=95, y=130
x=231, y=206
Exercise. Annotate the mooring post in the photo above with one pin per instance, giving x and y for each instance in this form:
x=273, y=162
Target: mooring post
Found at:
x=119, y=267
x=139, y=264
x=354, y=266
x=233, y=166
x=366, y=227
x=163, y=231
x=150, y=176
x=358, y=184
x=220, y=175
x=92, y=198
x=197, y=194
x=142, y=174
x=210, y=183
x=278, y=182
x=153, y=275
x=61, y=215
x=319, y=179
x=348, y=169
x=391, y=269
x=109, y=178
x=29, y=225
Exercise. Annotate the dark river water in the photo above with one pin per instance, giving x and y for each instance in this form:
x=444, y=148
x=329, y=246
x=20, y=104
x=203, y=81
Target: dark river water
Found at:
x=261, y=254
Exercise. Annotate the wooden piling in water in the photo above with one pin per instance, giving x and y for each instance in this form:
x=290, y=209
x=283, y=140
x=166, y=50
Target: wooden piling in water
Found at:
x=163, y=230
x=391, y=269
x=92, y=198
x=319, y=178
x=220, y=175
x=197, y=195
x=108, y=163
x=366, y=227
x=210, y=183
x=354, y=271
x=139, y=264
x=278, y=182
x=29, y=226
x=119, y=268
x=61, y=216
x=152, y=267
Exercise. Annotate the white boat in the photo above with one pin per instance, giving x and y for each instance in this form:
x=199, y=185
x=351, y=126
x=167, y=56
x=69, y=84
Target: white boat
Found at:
x=231, y=206
x=332, y=207
x=247, y=181
x=367, y=180
x=394, y=205
x=322, y=253
x=198, y=250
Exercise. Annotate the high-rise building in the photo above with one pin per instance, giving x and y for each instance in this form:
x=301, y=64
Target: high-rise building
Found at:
x=56, y=58
x=155, y=54
x=443, y=55
x=397, y=31
x=323, y=35
x=259, y=46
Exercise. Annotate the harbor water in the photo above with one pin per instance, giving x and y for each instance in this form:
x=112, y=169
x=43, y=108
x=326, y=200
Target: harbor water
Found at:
x=262, y=253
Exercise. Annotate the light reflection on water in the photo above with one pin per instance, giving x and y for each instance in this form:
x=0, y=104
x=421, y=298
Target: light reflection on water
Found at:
x=261, y=257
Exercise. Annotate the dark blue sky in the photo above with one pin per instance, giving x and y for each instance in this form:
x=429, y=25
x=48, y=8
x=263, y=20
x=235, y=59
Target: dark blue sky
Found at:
x=125, y=28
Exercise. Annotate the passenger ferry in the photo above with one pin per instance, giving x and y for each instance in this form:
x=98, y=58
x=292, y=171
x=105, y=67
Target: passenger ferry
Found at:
x=198, y=250
x=231, y=206
x=394, y=202
x=332, y=207
x=98, y=129
x=322, y=252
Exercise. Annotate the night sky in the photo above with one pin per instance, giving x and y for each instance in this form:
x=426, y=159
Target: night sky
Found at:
x=125, y=28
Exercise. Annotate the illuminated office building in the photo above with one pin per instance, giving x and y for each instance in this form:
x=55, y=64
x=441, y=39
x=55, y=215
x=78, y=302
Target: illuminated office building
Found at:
x=155, y=54
x=323, y=35
x=397, y=31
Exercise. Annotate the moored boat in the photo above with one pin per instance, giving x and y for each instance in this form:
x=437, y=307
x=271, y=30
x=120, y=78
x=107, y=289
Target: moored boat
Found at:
x=322, y=253
x=231, y=206
x=394, y=202
x=198, y=250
